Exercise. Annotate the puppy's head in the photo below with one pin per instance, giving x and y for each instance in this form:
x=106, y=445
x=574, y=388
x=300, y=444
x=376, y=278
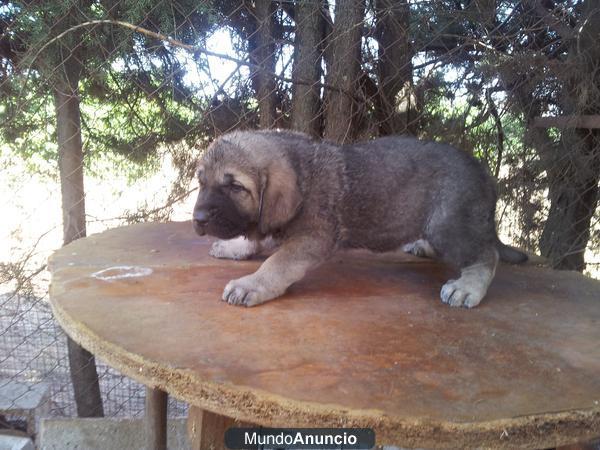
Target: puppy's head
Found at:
x=247, y=186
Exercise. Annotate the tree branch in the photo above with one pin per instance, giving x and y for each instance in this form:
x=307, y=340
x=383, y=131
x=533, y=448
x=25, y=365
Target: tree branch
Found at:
x=498, y=122
x=191, y=48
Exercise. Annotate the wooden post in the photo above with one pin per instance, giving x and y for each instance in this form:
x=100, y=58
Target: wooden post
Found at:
x=155, y=422
x=206, y=430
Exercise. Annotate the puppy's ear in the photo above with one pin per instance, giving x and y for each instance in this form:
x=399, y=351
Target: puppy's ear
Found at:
x=280, y=197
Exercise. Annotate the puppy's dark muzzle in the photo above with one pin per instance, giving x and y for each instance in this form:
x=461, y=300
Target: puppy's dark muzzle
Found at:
x=200, y=221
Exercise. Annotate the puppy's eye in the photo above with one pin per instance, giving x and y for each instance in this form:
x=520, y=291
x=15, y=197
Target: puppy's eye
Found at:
x=236, y=187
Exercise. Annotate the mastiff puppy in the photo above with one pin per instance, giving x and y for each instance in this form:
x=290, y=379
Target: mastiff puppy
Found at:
x=265, y=189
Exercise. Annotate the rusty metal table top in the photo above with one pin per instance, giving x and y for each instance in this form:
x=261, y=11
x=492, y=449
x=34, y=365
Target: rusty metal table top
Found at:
x=362, y=341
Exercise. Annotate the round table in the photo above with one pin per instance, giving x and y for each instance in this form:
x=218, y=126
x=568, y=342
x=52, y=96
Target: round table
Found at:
x=363, y=341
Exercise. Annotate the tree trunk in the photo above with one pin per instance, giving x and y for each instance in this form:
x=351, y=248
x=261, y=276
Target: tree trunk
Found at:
x=396, y=99
x=345, y=44
x=70, y=162
x=573, y=194
x=262, y=53
x=84, y=377
x=572, y=164
x=574, y=168
x=306, y=71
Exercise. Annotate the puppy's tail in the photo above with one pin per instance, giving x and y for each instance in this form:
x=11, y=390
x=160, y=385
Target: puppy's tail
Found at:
x=509, y=254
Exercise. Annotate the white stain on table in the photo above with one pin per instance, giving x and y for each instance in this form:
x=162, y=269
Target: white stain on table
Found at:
x=120, y=272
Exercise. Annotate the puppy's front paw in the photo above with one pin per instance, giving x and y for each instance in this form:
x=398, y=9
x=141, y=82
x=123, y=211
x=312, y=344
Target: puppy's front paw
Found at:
x=246, y=291
x=238, y=248
x=459, y=293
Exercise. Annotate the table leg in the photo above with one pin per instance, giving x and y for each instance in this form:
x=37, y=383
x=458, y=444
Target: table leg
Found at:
x=206, y=430
x=155, y=422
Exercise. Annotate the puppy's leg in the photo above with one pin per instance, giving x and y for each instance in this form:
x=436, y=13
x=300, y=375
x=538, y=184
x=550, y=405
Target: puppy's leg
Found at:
x=473, y=283
x=286, y=266
x=420, y=248
x=240, y=247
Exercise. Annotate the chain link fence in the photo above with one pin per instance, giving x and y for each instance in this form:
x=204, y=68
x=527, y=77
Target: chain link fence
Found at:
x=105, y=105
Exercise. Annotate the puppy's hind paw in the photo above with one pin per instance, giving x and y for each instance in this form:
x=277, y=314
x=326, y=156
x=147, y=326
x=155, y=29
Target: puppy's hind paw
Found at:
x=420, y=248
x=457, y=293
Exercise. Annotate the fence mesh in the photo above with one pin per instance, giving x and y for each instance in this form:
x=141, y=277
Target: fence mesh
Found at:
x=104, y=106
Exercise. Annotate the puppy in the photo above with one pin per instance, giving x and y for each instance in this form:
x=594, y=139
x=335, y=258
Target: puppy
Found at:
x=263, y=189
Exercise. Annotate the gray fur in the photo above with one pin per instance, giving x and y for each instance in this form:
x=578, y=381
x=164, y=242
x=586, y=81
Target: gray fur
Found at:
x=316, y=197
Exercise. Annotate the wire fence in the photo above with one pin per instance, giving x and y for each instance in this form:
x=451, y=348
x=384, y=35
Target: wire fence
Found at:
x=105, y=106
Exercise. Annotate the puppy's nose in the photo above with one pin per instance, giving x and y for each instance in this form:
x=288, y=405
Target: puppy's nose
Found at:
x=201, y=217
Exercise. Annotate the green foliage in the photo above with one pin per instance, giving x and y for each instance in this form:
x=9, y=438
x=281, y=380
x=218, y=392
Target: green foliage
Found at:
x=463, y=117
x=131, y=88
